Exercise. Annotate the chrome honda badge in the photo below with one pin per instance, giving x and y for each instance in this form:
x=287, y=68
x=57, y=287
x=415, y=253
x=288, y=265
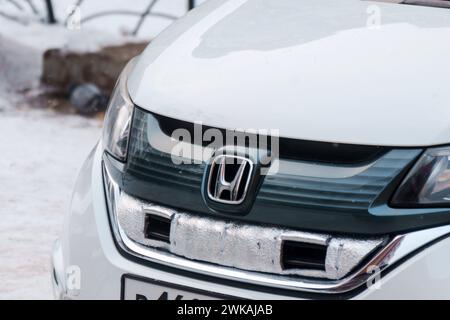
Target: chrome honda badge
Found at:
x=229, y=178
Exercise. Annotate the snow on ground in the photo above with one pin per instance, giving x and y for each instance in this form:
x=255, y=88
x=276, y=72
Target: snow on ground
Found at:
x=41, y=154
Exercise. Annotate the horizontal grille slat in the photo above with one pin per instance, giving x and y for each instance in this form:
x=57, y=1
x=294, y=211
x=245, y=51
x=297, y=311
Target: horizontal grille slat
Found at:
x=330, y=185
x=151, y=170
x=172, y=169
x=150, y=156
x=319, y=194
x=352, y=193
x=320, y=202
x=158, y=178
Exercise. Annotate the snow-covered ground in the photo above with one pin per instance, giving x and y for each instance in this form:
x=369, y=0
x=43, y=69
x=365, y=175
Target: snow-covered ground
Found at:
x=41, y=154
x=42, y=151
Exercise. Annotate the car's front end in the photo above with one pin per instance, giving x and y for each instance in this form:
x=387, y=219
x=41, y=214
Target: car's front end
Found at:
x=341, y=191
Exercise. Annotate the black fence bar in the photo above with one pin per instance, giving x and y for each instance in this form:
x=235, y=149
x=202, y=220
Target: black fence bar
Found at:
x=51, y=18
x=50, y=13
x=191, y=4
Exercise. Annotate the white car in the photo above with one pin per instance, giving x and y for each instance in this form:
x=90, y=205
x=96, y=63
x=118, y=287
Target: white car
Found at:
x=267, y=149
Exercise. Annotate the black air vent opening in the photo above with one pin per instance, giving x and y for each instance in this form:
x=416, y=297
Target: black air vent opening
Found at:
x=157, y=228
x=302, y=255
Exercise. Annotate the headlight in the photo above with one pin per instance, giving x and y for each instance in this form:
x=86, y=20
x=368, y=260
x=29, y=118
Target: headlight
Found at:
x=116, y=129
x=428, y=183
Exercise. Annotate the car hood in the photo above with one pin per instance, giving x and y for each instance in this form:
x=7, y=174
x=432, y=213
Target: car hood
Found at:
x=322, y=70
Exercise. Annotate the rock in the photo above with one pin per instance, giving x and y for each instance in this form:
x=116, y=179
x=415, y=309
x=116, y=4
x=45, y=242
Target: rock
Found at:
x=64, y=70
x=88, y=99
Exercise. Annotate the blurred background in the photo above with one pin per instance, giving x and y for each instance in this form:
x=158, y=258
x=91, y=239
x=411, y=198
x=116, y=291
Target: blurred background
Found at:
x=58, y=64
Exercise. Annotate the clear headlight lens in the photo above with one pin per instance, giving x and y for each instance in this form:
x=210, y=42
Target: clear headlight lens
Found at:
x=116, y=129
x=428, y=183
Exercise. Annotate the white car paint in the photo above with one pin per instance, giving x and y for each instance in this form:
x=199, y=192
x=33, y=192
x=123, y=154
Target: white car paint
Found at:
x=312, y=69
x=301, y=70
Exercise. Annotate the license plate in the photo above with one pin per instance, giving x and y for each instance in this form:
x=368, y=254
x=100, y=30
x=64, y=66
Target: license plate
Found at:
x=136, y=288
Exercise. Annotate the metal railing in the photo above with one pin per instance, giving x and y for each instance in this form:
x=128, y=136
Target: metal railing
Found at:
x=49, y=16
x=50, y=12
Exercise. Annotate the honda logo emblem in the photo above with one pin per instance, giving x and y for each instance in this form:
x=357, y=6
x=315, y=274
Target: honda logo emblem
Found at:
x=229, y=178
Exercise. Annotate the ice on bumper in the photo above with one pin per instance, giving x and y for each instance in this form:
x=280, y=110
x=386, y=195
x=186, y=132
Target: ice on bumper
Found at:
x=246, y=247
x=260, y=248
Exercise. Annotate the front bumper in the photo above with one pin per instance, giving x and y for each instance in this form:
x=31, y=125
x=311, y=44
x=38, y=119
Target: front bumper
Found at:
x=88, y=246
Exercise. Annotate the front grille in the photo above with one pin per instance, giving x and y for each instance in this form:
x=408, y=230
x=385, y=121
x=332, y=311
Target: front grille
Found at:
x=255, y=254
x=338, y=202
